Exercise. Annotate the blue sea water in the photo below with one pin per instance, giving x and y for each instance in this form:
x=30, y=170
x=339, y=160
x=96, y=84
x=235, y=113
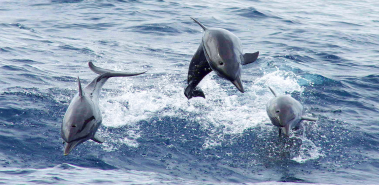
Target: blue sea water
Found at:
x=323, y=53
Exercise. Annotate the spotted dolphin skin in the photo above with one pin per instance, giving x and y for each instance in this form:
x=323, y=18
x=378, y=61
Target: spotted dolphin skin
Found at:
x=219, y=51
x=286, y=113
x=83, y=116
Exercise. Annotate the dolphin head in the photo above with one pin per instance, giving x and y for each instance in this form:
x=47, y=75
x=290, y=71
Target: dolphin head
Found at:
x=230, y=70
x=223, y=52
x=78, y=122
x=283, y=112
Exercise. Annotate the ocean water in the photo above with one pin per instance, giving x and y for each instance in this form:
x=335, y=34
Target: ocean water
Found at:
x=323, y=53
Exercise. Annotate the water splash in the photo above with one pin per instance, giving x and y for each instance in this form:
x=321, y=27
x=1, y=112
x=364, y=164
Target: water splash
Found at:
x=232, y=113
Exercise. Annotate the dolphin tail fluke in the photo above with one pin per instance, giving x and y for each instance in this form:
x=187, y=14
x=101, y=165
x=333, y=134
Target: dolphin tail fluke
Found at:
x=308, y=118
x=110, y=73
x=98, y=139
x=273, y=92
x=193, y=92
x=96, y=84
x=250, y=58
x=197, y=92
x=204, y=28
x=98, y=70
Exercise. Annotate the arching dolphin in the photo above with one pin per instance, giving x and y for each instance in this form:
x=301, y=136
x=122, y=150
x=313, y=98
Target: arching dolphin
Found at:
x=83, y=116
x=220, y=51
x=285, y=112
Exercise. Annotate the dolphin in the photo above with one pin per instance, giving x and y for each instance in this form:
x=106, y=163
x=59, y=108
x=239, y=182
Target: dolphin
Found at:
x=83, y=116
x=219, y=51
x=286, y=113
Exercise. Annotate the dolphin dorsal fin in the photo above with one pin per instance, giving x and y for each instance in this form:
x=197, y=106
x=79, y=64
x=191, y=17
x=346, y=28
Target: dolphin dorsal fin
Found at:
x=204, y=28
x=273, y=92
x=80, y=88
x=308, y=118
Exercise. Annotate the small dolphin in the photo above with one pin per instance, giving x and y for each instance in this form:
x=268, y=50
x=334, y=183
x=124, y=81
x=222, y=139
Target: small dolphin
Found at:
x=83, y=116
x=220, y=51
x=286, y=113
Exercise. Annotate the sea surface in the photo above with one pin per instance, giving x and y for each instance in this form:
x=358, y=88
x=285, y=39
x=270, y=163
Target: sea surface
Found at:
x=324, y=53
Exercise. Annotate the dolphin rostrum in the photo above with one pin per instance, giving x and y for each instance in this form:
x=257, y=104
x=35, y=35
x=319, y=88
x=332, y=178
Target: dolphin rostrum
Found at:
x=219, y=51
x=285, y=112
x=83, y=116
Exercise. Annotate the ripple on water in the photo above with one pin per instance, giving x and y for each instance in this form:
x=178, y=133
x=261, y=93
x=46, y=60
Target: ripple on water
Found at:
x=155, y=29
x=251, y=13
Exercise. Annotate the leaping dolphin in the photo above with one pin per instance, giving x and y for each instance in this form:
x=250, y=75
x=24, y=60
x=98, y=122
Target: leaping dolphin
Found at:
x=220, y=51
x=286, y=113
x=83, y=116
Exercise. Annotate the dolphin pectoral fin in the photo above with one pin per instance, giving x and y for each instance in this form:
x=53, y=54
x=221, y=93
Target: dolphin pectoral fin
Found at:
x=308, y=118
x=250, y=58
x=280, y=132
x=98, y=139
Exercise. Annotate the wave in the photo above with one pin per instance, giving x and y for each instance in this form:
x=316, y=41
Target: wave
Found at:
x=325, y=60
x=331, y=58
x=95, y=26
x=251, y=13
x=156, y=29
x=67, y=1
x=84, y=50
x=13, y=68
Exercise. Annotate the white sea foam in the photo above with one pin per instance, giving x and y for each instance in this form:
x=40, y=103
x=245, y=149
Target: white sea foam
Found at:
x=234, y=113
x=308, y=151
x=230, y=113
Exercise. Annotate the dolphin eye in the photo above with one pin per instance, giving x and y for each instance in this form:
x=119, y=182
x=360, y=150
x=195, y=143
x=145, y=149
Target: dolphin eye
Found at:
x=74, y=126
x=277, y=111
x=221, y=63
